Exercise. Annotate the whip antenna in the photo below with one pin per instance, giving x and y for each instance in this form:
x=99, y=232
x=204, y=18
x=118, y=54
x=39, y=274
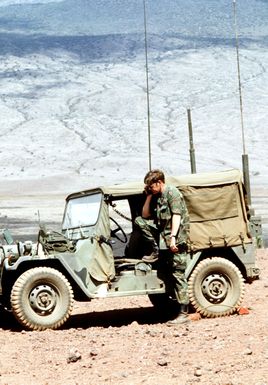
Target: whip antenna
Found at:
x=239, y=78
x=244, y=156
x=191, y=141
x=147, y=86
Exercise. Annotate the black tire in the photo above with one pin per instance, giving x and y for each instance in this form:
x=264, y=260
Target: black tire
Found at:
x=42, y=298
x=216, y=287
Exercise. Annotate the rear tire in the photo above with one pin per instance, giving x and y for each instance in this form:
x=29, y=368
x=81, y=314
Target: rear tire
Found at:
x=42, y=298
x=216, y=287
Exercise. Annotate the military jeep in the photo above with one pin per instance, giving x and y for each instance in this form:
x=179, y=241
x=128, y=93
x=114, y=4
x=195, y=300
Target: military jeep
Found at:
x=98, y=252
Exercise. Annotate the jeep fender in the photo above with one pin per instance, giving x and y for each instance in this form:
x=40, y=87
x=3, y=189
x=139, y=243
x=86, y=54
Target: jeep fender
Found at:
x=242, y=256
x=77, y=279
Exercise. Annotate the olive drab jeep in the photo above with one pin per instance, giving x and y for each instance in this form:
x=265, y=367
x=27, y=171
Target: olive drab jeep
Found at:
x=98, y=252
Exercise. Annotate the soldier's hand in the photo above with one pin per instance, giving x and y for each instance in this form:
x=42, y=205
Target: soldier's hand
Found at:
x=147, y=190
x=173, y=246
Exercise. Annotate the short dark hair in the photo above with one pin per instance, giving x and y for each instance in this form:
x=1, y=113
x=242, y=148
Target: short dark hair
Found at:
x=154, y=176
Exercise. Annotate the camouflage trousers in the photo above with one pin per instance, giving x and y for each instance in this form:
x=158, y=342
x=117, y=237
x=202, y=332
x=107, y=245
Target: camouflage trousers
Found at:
x=171, y=266
x=148, y=229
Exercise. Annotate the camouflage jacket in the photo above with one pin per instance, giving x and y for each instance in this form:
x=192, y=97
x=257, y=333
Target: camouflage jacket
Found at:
x=168, y=203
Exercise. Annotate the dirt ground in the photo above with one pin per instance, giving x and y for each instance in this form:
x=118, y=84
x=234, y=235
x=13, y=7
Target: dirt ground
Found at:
x=124, y=341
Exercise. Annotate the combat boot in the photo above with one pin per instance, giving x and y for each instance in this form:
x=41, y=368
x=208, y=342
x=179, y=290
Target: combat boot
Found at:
x=182, y=317
x=153, y=257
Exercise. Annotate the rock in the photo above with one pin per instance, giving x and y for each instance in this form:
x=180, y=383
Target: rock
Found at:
x=93, y=353
x=243, y=310
x=151, y=333
x=195, y=317
x=247, y=352
x=198, y=372
x=162, y=362
x=73, y=356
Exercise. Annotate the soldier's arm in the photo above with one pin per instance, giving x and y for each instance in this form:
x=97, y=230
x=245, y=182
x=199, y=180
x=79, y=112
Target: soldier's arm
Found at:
x=175, y=225
x=146, y=212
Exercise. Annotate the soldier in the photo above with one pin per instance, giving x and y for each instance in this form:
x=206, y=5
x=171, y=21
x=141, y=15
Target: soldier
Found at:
x=164, y=224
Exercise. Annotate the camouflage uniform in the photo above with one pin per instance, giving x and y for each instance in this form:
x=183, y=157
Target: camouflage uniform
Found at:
x=168, y=203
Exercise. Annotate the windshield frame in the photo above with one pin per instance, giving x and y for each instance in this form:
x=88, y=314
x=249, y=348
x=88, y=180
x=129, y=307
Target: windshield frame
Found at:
x=79, y=207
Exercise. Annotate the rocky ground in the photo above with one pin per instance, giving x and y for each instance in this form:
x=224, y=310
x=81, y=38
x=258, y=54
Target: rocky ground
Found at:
x=125, y=342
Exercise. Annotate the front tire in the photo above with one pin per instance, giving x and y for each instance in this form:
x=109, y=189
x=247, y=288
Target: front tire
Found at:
x=42, y=298
x=216, y=287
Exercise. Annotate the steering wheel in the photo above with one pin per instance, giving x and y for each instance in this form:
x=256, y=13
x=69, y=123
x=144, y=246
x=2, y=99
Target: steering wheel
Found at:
x=123, y=237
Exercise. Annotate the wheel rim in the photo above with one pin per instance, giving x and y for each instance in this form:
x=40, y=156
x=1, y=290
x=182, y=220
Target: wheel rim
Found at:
x=215, y=288
x=43, y=299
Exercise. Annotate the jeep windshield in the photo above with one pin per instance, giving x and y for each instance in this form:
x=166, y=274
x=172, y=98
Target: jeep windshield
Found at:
x=82, y=211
